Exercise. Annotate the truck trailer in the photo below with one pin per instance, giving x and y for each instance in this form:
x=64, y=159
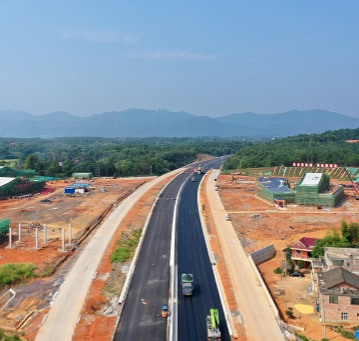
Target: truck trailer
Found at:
x=187, y=284
x=213, y=332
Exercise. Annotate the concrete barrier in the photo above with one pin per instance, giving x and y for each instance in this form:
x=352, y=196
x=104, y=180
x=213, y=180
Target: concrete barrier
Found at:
x=263, y=255
x=258, y=257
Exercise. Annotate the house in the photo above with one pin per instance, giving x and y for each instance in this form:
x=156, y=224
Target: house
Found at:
x=338, y=296
x=347, y=258
x=302, y=250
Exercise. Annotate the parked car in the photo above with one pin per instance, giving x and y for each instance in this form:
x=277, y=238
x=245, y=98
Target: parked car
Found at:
x=228, y=217
x=296, y=274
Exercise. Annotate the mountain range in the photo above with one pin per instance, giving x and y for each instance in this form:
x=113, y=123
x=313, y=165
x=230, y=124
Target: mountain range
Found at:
x=164, y=123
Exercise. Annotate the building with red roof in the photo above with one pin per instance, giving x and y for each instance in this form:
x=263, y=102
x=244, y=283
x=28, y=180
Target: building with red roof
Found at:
x=302, y=250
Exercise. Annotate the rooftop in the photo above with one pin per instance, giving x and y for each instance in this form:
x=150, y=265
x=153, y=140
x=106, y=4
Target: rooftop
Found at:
x=330, y=280
x=341, y=252
x=304, y=243
x=4, y=180
x=276, y=185
x=311, y=179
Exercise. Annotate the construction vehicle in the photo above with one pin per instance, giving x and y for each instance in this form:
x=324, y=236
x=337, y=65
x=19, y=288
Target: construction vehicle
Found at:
x=355, y=186
x=213, y=332
x=164, y=312
x=187, y=284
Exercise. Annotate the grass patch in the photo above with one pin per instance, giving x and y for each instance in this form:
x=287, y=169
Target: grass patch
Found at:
x=345, y=333
x=15, y=273
x=46, y=272
x=126, y=247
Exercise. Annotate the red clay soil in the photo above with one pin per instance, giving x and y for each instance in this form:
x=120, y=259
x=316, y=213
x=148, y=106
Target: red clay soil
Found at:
x=94, y=326
x=83, y=211
x=258, y=223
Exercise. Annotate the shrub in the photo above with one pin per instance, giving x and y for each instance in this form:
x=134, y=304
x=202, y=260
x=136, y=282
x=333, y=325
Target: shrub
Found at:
x=14, y=273
x=301, y=264
x=278, y=270
x=347, y=334
x=302, y=337
x=290, y=314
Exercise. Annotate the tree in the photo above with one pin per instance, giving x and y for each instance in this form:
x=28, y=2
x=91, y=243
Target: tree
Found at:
x=301, y=264
x=329, y=241
x=54, y=168
x=31, y=161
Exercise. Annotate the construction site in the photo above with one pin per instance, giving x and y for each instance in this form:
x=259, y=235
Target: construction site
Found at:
x=258, y=220
x=49, y=230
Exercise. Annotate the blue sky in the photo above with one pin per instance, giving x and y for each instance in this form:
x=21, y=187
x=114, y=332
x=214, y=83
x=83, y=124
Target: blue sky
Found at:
x=206, y=57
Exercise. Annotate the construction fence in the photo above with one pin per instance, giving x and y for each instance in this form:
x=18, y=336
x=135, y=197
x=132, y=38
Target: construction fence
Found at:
x=289, y=197
x=19, y=187
x=4, y=228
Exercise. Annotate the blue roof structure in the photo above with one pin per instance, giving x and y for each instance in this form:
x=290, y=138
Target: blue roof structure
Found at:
x=81, y=184
x=276, y=185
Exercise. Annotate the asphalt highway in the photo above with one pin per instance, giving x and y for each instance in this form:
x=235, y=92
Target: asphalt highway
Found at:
x=141, y=315
x=149, y=290
x=192, y=257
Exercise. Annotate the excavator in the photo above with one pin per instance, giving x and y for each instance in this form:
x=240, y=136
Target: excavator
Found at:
x=213, y=332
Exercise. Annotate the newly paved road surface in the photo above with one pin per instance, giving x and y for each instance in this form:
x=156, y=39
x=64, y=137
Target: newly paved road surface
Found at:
x=61, y=321
x=258, y=317
x=193, y=258
x=149, y=290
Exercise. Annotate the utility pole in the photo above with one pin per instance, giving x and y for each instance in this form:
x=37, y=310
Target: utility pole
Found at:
x=325, y=329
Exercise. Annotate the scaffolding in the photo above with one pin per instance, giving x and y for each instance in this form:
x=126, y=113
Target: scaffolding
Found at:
x=14, y=173
x=20, y=186
x=313, y=189
x=289, y=196
x=316, y=192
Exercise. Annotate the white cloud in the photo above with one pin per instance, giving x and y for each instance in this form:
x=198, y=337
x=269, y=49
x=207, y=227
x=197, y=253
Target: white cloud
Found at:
x=98, y=36
x=175, y=56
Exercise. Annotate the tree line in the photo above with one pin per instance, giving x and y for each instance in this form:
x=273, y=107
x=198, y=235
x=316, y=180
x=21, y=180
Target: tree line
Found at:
x=113, y=157
x=328, y=147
